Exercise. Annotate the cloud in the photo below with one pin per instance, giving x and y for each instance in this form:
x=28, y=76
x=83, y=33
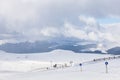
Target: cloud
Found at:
x=88, y=32
x=114, y=30
x=73, y=31
x=32, y=20
x=90, y=21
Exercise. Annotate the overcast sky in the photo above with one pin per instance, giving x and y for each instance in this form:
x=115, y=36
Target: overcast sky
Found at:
x=34, y=20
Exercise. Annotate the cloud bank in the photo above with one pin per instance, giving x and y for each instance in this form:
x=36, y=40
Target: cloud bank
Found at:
x=34, y=20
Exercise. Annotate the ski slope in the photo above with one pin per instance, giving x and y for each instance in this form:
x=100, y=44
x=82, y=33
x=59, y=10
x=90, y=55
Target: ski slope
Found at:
x=39, y=66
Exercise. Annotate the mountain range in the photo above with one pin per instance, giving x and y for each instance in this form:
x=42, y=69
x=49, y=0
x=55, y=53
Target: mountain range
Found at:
x=46, y=46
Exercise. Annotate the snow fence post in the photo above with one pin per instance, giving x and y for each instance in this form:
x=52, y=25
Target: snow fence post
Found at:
x=51, y=64
x=106, y=63
x=80, y=67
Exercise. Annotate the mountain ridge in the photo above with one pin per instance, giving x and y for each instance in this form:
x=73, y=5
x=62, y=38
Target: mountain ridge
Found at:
x=46, y=46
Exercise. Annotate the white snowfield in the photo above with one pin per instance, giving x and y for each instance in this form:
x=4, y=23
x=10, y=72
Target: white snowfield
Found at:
x=39, y=66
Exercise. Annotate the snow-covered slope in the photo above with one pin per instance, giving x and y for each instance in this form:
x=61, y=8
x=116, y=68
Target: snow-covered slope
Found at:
x=38, y=66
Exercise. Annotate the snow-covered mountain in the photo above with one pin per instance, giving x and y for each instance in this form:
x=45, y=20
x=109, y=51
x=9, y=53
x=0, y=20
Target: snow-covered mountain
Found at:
x=44, y=46
x=47, y=46
x=115, y=50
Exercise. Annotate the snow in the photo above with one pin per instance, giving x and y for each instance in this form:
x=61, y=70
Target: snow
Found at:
x=38, y=66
